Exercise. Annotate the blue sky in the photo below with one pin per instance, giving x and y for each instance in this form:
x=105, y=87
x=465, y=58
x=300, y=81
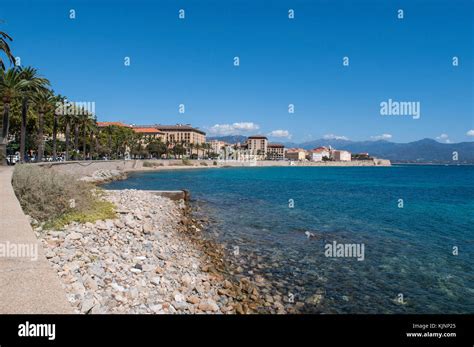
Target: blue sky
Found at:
x=282, y=62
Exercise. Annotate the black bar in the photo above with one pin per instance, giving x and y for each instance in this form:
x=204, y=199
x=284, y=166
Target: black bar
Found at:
x=305, y=330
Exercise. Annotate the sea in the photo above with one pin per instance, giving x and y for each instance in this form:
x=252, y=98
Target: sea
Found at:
x=352, y=240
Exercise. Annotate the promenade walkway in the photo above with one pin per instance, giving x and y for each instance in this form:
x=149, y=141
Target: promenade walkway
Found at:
x=27, y=285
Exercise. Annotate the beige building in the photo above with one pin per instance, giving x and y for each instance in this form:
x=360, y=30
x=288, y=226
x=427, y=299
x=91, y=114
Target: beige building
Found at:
x=257, y=145
x=217, y=146
x=319, y=153
x=275, y=151
x=341, y=155
x=297, y=154
x=182, y=133
x=150, y=133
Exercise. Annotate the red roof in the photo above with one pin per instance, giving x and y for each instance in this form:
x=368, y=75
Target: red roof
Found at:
x=106, y=124
x=147, y=130
x=320, y=150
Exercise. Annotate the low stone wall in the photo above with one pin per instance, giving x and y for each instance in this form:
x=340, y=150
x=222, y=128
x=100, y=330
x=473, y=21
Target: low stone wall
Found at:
x=375, y=162
x=87, y=168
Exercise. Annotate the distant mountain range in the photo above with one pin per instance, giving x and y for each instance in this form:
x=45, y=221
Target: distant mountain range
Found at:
x=229, y=139
x=422, y=151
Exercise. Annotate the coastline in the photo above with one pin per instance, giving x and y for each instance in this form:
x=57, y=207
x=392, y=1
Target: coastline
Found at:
x=189, y=274
x=152, y=258
x=106, y=171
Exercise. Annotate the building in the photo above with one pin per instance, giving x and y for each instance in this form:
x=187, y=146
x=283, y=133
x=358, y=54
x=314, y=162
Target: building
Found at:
x=317, y=154
x=341, y=155
x=217, y=146
x=150, y=133
x=257, y=145
x=296, y=154
x=182, y=133
x=275, y=151
x=361, y=156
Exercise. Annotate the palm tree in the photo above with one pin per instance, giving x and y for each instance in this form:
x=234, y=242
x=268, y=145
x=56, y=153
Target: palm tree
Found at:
x=11, y=86
x=32, y=85
x=207, y=147
x=76, y=122
x=191, y=148
x=44, y=102
x=59, y=111
x=5, y=48
x=86, y=122
x=198, y=148
x=92, y=127
x=67, y=119
x=168, y=144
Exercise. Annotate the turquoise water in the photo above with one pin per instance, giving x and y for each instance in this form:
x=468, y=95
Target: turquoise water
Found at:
x=407, y=250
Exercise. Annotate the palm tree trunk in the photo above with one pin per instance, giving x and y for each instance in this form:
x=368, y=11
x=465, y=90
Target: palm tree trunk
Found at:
x=4, y=138
x=67, y=131
x=40, y=137
x=76, y=139
x=55, y=130
x=91, y=150
x=24, y=112
x=84, y=137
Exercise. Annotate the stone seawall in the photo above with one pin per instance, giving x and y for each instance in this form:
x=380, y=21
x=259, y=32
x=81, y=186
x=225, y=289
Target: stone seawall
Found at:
x=88, y=168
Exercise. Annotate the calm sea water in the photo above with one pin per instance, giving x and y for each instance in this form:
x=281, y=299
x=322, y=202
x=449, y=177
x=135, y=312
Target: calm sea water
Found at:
x=408, y=250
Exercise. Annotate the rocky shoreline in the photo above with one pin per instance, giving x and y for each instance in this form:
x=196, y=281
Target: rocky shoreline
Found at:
x=104, y=176
x=151, y=259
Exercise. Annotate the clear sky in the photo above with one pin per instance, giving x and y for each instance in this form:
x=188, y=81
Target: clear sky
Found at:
x=282, y=61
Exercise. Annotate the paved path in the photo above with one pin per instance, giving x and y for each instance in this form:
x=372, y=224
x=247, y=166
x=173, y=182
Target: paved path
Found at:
x=26, y=286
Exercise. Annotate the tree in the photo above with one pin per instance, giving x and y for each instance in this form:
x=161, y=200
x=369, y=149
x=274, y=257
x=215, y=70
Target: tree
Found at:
x=11, y=86
x=5, y=48
x=33, y=84
x=44, y=102
x=87, y=123
x=198, y=149
x=157, y=148
x=92, y=127
x=208, y=147
x=76, y=122
x=67, y=119
x=60, y=100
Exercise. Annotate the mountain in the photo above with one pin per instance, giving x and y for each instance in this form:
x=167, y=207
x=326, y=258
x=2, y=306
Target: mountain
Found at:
x=426, y=150
x=229, y=138
x=422, y=151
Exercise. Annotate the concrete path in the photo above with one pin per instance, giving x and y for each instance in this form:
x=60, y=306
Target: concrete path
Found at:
x=26, y=285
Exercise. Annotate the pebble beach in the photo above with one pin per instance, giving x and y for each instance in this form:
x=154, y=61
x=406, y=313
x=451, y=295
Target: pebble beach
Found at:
x=151, y=259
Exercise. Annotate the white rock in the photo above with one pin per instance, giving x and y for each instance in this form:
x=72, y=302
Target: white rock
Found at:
x=156, y=281
x=74, y=236
x=179, y=297
x=87, y=304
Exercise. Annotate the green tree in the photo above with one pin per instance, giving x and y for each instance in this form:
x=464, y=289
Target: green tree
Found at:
x=5, y=48
x=58, y=112
x=33, y=84
x=44, y=102
x=11, y=86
